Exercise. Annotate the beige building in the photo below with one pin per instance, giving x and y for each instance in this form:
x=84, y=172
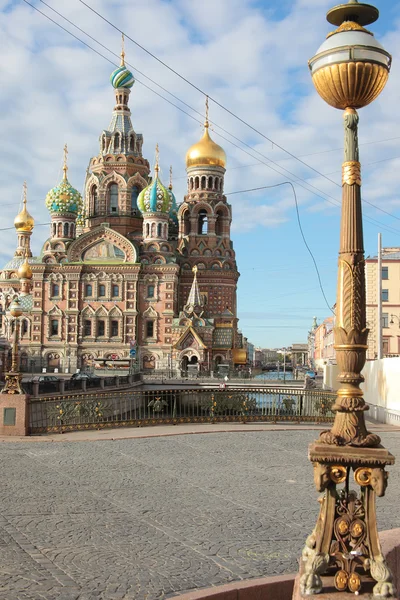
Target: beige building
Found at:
x=390, y=303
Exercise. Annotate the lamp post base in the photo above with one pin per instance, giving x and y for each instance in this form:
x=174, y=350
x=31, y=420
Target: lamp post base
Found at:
x=343, y=550
x=12, y=383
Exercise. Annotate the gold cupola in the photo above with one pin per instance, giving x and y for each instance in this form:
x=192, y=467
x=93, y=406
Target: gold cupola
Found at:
x=24, y=221
x=206, y=152
x=25, y=271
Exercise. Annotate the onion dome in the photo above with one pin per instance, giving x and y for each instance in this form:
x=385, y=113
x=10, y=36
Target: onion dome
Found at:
x=122, y=77
x=64, y=198
x=155, y=197
x=25, y=271
x=24, y=221
x=206, y=152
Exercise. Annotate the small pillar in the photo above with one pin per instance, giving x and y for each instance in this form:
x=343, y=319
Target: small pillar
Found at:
x=14, y=416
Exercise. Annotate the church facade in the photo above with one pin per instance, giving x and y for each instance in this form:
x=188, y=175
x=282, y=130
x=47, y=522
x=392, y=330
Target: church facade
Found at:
x=126, y=274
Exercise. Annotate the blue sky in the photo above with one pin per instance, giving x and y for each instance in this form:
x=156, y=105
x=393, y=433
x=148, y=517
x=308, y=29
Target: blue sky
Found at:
x=251, y=56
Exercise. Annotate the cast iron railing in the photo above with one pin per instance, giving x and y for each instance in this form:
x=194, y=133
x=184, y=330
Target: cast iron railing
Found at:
x=151, y=407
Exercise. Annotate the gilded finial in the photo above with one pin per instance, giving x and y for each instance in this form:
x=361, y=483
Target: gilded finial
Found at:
x=157, y=166
x=123, y=51
x=194, y=270
x=65, y=167
x=206, y=123
x=24, y=194
x=170, y=177
x=23, y=221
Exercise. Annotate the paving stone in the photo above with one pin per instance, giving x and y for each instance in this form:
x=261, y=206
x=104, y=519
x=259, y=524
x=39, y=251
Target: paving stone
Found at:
x=150, y=518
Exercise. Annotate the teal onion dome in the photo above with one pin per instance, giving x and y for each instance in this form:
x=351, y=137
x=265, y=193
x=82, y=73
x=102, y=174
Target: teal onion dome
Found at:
x=122, y=78
x=64, y=199
x=173, y=213
x=155, y=197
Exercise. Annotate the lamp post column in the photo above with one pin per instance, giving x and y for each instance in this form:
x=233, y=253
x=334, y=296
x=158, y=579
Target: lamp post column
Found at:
x=14, y=376
x=349, y=71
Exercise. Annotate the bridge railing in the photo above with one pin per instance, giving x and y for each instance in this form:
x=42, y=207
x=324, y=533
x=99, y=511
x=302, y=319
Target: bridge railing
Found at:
x=151, y=407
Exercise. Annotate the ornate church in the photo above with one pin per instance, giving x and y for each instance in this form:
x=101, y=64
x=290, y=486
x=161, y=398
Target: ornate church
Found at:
x=126, y=275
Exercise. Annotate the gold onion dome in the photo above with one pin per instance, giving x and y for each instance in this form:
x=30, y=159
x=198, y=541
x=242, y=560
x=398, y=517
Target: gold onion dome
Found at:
x=206, y=152
x=25, y=271
x=24, y=221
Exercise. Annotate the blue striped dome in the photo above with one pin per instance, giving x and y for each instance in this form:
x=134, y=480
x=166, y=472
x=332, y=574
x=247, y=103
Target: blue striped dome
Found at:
x=122, y=78
x=173, y=213
x=155, y=198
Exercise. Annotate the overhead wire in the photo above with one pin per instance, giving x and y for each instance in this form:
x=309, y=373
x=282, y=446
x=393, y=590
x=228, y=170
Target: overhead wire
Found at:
x=223, y=107
x=290, y=182
x=298, y=179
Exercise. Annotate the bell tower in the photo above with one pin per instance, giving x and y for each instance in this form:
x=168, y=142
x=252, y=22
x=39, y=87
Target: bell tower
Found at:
x=204, y=229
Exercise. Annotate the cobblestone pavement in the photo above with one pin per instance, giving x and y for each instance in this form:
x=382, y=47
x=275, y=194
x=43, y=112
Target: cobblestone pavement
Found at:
x=147, y=519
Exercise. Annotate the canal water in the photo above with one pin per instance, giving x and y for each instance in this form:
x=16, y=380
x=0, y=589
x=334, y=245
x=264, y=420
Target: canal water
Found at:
x=268, y=375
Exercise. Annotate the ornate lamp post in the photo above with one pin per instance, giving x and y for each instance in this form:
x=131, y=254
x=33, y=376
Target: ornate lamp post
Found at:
x=13, y=377
x=349, y=71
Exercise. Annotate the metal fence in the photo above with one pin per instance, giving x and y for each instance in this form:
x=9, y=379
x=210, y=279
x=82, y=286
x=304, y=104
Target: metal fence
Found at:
x=152, y=407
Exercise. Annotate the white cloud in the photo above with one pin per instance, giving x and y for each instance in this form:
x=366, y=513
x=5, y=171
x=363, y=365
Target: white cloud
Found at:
x=252, y=60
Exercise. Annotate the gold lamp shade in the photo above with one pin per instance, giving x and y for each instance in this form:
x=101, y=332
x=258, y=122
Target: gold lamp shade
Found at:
x=352, y=84
x=351, y=67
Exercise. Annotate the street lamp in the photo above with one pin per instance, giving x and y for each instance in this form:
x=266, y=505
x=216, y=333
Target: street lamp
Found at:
x=349, y=71
x=13, y=377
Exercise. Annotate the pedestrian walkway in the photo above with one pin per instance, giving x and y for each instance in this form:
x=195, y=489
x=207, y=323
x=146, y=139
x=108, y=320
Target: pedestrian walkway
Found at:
x=151, y=518
x=124, y=433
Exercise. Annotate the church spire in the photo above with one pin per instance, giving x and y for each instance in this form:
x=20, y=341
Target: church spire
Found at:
x=194, y=299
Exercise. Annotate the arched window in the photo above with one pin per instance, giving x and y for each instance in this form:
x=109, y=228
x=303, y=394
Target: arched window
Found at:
x=115, y=291
x=55, y=290
x=54, y=229
x=191, y=183
x=101, y=328
x=203, y=183
x=54, y=326
x=218, y=223
x=159, y=228
x=95, y=201
x=202, y=222
x=87, y=328
x=72, y=230
x=196, y=183
x=102, y=290
x=186, y=223
x=117, y=141
x=88, y=290
x=113, y=198
x=65, y=229
x=134, y=197
x=59, y=231
x=210, y=183
x=24, y=327
x=150, y=291
x=149, y=328
x=147, y=229
x=114, y=328
x=153, y=230
x=132, y=143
